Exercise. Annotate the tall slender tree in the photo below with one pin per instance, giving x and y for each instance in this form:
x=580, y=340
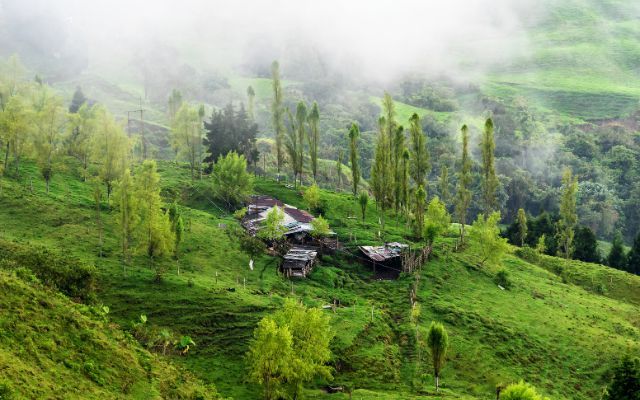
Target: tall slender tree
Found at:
x=339, y=162
x=354, y=134
x=568, y=214
x=81, y=129
x=110, y=149
x=127, y=217
x=404, y=192
x=277, y=111
x=314, y=138
x=49, y=125
x=444, y=184
x=301, y=127
x=382, y=169
x=154, y=230
x=251, y=97
x=522, y=227
x=14, y=130
x=200, y=144
x=174, y=104
x=292, y=145
x=463, y=191
x=420, y=202
x=490, y=180
x=186, y=136
x=398, y=148
x=438, y=342
x=419, y=151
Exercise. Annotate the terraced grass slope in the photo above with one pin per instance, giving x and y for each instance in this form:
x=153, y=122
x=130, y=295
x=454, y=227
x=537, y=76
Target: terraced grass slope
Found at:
x=583, y=60
x=549, y=329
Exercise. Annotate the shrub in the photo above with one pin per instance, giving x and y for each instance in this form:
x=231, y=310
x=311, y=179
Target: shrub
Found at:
x=520, y=391
x=502, y=279
x=65, y=273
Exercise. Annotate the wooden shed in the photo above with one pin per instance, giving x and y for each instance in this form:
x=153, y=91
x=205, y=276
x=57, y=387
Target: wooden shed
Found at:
x=299, y=262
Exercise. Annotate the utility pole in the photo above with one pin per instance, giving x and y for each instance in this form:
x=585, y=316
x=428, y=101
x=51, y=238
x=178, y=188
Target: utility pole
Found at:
x=141, y=120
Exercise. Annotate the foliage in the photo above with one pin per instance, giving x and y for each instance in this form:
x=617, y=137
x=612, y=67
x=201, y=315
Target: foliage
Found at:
x=463, y=192
x=502, y=279
x=520, y=391
x=312, y=197
x=489, y=178
x=314, y=138
x=269, y=357
x=354, y=134
x=49, y=127
x=617, y=258
x=568, y=216
x=77, y=101
x=61, y=271
x=437, y=220
x=311, y=334
x=633, y=258
x=231, y=182
x=419, y=151
x=363, y=201
x=521, y=221
x=320, y=227
x=187, y=137
x=110, y=149
x=485, y=239
x=153, y=232
x=273, y=228
x=625, y=384
x=585, y=246
x=382, y=169
x=127, y=217
x=288, y=349
x=438, y=342
x=228, y=131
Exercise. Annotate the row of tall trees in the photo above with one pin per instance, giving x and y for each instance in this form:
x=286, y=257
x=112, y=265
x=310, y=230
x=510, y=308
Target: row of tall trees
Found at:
x=299, y=136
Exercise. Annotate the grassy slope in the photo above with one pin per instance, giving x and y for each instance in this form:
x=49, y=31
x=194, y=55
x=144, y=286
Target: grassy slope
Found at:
x=545, y=331
x=583, y=61
x=47, y=342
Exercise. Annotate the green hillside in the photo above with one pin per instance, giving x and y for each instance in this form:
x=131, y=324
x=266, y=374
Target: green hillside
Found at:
x=51, y=347
x=583, y=61
x=547, y=329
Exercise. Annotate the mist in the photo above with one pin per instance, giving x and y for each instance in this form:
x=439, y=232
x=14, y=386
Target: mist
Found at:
x=378, y=41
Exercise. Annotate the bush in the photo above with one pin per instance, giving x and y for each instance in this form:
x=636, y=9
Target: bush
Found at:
x=502, y=279
x=520, y=391
x=65, y=273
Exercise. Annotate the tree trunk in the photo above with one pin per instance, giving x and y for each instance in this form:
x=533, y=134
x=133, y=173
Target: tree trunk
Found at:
x=47, y=185
x=437, y=384
x=6, y=157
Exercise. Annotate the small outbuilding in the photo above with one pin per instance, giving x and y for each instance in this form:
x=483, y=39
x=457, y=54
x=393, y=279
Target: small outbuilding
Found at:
x=298, y=262
x=385, y=260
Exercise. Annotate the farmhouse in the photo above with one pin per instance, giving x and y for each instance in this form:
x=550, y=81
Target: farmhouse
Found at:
x=296, y=222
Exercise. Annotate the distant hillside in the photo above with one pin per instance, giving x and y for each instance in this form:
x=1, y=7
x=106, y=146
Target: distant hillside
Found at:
x=584, y=60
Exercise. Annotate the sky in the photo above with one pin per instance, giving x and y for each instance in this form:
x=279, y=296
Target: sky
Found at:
x=374, y=39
